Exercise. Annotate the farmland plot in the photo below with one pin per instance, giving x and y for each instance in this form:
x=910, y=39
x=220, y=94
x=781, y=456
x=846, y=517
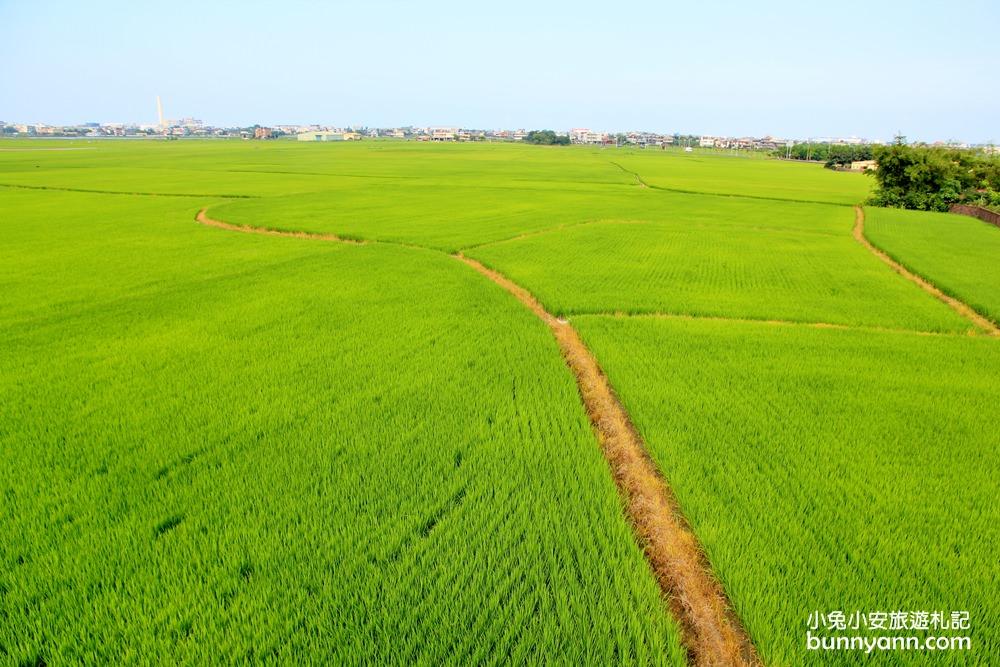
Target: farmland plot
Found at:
x=957, y=253
x=447, y=218
x=716, y=173
x=254, y=170
x=268, y=448
x=220, y=446
x=823, y=469
x=738, y=258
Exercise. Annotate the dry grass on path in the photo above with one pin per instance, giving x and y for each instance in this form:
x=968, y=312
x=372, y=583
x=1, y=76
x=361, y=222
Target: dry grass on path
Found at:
x=710, y=630
x=963, y=309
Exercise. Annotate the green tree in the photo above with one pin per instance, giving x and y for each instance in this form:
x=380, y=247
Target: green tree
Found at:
x=931, y=179
x=546, y=138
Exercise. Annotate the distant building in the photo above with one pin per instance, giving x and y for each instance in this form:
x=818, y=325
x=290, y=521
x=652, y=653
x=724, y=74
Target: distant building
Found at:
x=864, y=165
x=770, y=143
x=320, y=136
x=444, y=133
x=585, y=136
x=263, y=133
x=707, y=142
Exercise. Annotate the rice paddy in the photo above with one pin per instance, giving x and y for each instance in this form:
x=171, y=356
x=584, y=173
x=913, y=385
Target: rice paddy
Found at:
x=226, y=447
x=216, y=446
x=955, y=252
x=736, y=258
x=823, y=469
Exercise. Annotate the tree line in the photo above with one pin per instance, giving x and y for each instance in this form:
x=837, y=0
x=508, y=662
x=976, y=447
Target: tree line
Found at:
x=932, y=179
x=546, y=138
x=832, y=155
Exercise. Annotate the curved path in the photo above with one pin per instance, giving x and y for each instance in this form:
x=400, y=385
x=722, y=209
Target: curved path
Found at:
x=965, y=310
x=710, y=630
x=203, y=218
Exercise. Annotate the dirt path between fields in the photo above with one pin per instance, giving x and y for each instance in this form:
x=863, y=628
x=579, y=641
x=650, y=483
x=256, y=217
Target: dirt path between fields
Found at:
x=710, y=630
x=963, y=309
x=203, y=218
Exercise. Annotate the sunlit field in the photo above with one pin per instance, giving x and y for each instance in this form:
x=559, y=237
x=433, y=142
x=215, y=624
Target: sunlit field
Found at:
x=958, y=253
x=219, y=446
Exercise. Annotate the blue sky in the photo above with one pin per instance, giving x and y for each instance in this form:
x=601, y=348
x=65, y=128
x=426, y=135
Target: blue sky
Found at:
x=802, y=69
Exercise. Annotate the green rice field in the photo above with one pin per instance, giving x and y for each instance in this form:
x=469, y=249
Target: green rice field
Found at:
x=823, y=469
x=957, y=253
x=224, y=447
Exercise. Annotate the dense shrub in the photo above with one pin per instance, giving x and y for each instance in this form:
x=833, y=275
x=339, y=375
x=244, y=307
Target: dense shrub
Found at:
x=931, y=179
x=547, y=138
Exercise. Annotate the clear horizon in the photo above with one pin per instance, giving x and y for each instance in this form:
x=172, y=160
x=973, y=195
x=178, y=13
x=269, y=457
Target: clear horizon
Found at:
x=719, y=68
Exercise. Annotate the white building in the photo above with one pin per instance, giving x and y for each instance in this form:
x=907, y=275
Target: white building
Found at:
x=443, y=133
x=585, y=136
x=320, y=136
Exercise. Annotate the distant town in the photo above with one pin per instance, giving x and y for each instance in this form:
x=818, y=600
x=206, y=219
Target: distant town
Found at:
x=192, y=127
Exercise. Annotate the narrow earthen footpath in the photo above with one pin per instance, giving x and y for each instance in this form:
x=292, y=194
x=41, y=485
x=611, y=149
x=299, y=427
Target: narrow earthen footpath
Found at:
x=711, y=632
x=203, y=218
x=963, y=309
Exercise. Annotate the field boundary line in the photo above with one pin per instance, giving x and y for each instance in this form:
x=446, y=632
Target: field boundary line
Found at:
x=123, y=192
x=613, y=221
x=733, y=195
x=310, y=173
x=203, y=218
x=769, y=321
x=710, y=629
x=638, y=178
x=685, y=191
x=984, y=324
x=551, y=230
